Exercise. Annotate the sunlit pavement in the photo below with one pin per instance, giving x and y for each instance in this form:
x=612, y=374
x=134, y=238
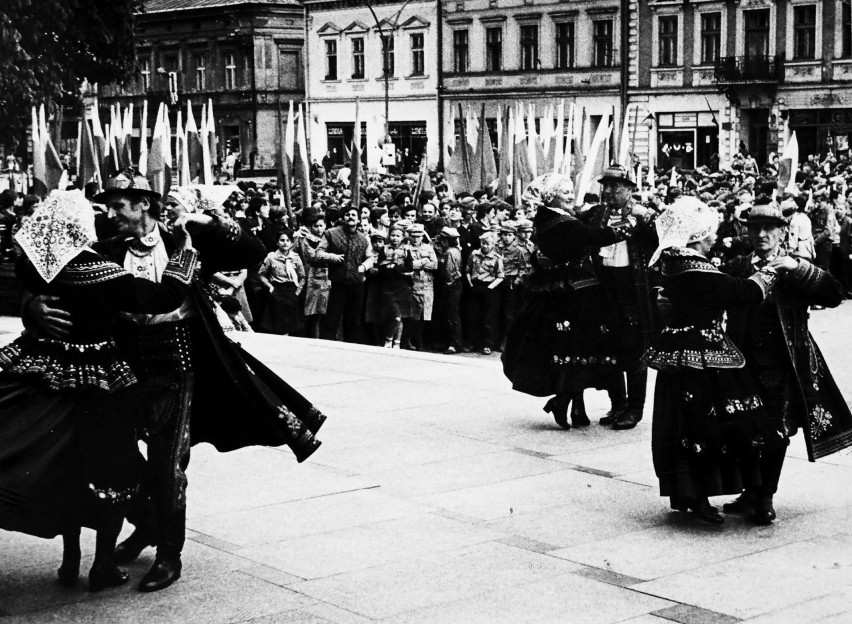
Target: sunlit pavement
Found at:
x=440, y=495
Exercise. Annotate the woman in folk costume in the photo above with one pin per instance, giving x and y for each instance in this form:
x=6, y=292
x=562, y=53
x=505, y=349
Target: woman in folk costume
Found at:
x=69, y=455
x=709, y=421
x=563, y=340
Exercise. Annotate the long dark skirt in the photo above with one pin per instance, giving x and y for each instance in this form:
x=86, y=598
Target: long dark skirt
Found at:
x=708, y=427
x=562, y=341
x=282, y=312
x=63, y=457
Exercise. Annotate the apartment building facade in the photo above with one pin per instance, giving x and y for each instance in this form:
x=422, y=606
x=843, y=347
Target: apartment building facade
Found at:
x=396, y=93
x=247, y=56
x=500, y=53
x=720, y=76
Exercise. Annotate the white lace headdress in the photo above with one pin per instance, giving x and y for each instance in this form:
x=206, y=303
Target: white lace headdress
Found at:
x=59, y=229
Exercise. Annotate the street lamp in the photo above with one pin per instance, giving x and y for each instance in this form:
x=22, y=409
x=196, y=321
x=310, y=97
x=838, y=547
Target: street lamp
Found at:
x=385, y=45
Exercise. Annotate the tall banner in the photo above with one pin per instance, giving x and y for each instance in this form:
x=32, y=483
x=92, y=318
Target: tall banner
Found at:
x=599, y=142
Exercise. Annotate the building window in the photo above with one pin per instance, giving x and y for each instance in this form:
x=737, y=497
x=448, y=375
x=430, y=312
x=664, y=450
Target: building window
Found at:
x=668, y=40
x=200, y=72
x=494, y=49
x=804, y=32
x=145, y=72
x=602, y=43
x=846, y=26
x=757, y=33
x=330, y=59
x=711, y=37
x=460, y=51
x=230, y=71
x=418, y=64
x=358, y=57
x=565, y=45
x=388, y=54
x=529, y=47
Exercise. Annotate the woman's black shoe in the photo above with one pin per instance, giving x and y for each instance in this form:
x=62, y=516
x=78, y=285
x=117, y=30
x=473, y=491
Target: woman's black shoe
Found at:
x=558, y=406
x=703, y=510
x=579, y=418
x=101, y=577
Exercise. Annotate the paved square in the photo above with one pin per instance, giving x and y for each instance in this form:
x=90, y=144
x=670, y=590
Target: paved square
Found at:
x=440, y=495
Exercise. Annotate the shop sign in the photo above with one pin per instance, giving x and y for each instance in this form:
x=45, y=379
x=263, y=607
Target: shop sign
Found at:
x=685, y=120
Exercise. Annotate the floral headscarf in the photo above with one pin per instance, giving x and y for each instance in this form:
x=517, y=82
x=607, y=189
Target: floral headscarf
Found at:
x=687, y=220
x=545, y=188
x=59, y=229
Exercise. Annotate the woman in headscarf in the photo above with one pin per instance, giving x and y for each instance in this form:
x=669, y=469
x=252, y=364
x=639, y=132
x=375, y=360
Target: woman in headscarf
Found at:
x=562, y=341
x=69, y=456
x=708, y=415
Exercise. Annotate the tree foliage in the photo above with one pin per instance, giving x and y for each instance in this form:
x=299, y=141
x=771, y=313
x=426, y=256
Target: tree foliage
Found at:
x=48, y=47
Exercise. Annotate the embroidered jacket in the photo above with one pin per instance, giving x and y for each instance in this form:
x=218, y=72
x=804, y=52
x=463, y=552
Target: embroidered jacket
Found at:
x=818, y=404
x=699, y=293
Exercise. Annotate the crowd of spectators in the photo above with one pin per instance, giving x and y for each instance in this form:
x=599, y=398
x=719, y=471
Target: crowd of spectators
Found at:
x=446, y=272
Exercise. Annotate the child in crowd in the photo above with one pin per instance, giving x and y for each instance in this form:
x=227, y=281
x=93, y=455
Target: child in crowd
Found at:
x=484, y=274
x=283, y=274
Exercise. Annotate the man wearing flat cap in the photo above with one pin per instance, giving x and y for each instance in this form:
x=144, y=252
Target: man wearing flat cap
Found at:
x=624, y=275
x=792, y=377
x=173, y=354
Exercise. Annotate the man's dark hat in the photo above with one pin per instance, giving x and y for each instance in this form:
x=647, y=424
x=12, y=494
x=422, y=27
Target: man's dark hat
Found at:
x=128, y=182
x=617, y=173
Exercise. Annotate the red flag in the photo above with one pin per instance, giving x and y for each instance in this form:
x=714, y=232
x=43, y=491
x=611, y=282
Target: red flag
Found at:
x=87, y=166
x=193, y=145
x=53, y=165
x=355, y=161
x=284, y=164
x=485, y=153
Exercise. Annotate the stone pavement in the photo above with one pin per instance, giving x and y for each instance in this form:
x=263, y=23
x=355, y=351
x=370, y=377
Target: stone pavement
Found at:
x=440, y=495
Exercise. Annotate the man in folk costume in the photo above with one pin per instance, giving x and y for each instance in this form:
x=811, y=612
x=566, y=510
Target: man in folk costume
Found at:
x=792, y=377
x=193, y=375
x=623, y=271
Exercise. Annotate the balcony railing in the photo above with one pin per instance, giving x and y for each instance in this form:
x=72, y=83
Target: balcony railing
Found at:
x=750, y=69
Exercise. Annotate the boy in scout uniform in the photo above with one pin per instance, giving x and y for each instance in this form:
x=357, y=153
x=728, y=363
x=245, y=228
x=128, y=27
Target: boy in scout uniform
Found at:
x=484, y=274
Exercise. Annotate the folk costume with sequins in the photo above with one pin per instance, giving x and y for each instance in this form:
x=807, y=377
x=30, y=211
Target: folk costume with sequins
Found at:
x=562, y=341
x=66, y=406
x=708, y=416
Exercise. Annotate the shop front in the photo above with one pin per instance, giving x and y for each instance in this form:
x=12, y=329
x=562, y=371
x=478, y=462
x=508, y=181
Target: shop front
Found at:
x=410, y=140
x=819, y=131
x=687, y=140
x=339, y=142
